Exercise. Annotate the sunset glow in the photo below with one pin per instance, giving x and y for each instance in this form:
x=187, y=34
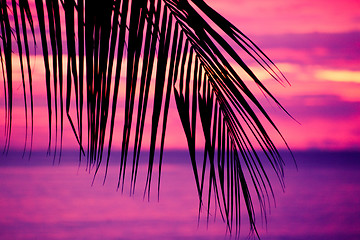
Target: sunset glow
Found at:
x=314, y=43
x=282, y=149
x=339, y=75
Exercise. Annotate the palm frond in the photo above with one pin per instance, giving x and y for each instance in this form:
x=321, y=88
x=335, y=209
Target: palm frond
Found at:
x=179, y=48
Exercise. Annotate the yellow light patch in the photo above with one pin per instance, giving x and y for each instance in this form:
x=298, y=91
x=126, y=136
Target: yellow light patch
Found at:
x=339, y=75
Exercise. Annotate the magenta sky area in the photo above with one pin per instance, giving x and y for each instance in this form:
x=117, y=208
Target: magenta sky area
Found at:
x=315, y=43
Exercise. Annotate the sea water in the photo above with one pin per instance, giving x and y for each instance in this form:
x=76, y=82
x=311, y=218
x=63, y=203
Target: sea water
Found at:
x=41, y=199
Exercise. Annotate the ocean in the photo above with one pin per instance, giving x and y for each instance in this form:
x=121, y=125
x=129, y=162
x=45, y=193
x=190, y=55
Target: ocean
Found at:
x=42, y=199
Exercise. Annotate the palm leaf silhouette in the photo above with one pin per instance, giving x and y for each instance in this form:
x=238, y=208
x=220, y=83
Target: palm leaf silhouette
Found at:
x=179, y=48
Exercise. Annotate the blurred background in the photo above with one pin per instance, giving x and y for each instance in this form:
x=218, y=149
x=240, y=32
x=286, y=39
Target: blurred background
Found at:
x=316, y=44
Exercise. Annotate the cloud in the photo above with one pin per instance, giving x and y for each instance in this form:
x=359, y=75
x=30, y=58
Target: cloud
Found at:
x=339, y=75
x=347, y=40
x=327, y=107
x=339, y=50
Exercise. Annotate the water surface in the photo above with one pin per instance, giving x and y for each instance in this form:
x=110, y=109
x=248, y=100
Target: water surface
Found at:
x=39, y=200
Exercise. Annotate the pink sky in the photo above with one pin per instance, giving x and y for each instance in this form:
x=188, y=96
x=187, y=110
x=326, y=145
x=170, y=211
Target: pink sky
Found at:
x=315, y=43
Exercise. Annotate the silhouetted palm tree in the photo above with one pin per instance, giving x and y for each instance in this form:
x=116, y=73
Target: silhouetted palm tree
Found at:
x=182, y=48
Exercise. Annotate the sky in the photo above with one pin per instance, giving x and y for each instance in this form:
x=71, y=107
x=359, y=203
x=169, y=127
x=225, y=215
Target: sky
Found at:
x=316, y=44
